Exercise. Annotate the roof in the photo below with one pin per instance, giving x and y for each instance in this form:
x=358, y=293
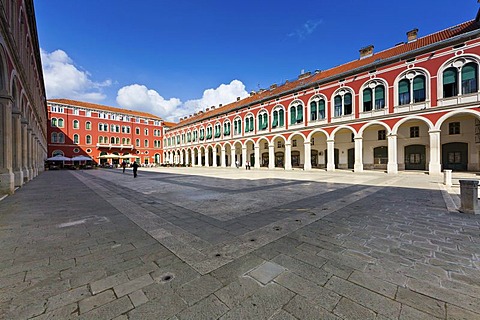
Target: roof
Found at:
x=169, y=124
x=100, y=107
x=326, y=75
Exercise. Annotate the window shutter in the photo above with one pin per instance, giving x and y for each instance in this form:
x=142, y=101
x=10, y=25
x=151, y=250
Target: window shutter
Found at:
x=313, y=107
x=299, y=113
x=251, y=124
x=275, y=119
x=379, y=92
x=449, y=76
x=293, y=114
x=469, y=72
x=367, y=95
x=403, y=86
x=281, y=115
x=347, y=98
x=265, y=121
x=321, y=106
x=418, y=83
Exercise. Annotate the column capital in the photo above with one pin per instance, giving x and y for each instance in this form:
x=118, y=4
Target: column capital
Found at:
x=306, y=143
x=434, y=131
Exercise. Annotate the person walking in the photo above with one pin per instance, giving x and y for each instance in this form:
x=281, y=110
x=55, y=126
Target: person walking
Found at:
x=135, y=168
x=124, y=165
x=237, y=163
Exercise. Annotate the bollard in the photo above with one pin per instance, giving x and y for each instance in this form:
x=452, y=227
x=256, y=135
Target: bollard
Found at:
x=469, y=196
x=447, y=177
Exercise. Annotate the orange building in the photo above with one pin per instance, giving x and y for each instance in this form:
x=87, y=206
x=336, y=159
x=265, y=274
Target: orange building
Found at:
x=105, y=134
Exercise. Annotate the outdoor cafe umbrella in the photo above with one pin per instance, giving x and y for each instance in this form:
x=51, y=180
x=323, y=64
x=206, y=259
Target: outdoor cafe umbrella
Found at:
x=81, y=158
x=59, y=158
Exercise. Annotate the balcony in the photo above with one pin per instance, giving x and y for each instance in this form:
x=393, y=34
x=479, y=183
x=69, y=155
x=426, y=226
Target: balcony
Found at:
x=114, y=146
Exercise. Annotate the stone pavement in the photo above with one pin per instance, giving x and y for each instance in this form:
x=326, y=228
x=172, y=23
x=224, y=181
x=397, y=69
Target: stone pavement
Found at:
x=204, y=243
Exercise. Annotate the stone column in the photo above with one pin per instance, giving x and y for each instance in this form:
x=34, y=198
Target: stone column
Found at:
x=187, y=157
x=17, y=148
x=232, y=156
x=207, y=157
x=288, y=156
x=30, y=140
x=434, y=166
x=330, y=155
x=244, y=156
x=307, y=165
x=392, y=166
x=199, y=157
x=271, y=156
x=222, y=157
x=358, y=166
x=35, y=154
x=469, y=196
x=214, y=158
x=7, y=177
x=257, y=156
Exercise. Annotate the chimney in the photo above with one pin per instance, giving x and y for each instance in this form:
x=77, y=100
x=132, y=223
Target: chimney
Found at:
x=238, y=98
x=412, y=35
x=252, y=93
x=207, y=109
x=220, y=105
x=213, y=108
x=366, y=52
x=273, y=86
x=304, y=75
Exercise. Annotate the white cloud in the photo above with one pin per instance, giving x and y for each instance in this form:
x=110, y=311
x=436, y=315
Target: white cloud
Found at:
x=64, y=80
x=139, y=97
x=305, y=30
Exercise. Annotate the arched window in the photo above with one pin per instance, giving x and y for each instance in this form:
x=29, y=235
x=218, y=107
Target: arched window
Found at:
x=237, y=126
x=76, y=124
x=296, y=112
x=76, y=139
x=100, y=127
x=57, y=153
x=226, y=128
x=112, y=140
x=53, y=122
x=419, y=94
x=313, y=111
x=209, y=134
x=100, y=139
x=60, y=122
x=469, y=78
x=117, y=140
x=342, y=103
x=54, y=138
x=88, y=125
x=412, y=88
x=262, y=121
x=61, y=138
x=137, y=142
x=450, y=83
x=249, y=124
x=105, y=127
x=379, y=97
x=404, y=92
x=88, y=139
x=373, y=96
x=278, y=117
x=218, y=130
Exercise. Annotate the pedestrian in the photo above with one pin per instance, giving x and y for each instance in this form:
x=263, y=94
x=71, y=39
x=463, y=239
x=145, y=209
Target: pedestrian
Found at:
x=248, y=163
x=236, y=163
x=135, y=168
x=124, y=165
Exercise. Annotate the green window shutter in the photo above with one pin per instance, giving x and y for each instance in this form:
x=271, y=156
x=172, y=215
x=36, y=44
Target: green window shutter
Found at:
x=293, y=115
x=419, y=83
x=367, y=95
x=265, y=121
x=260, y=122
x=403, y=86
x=469, y=72
x=321, y=106
x=275, y=119
x=247, y=125
x=379, y=92
x=235, y=126
x=299, y=113
x=252, y=124
x=281, y=115
x=338, y=101
x=449, y=76
x=347, y=98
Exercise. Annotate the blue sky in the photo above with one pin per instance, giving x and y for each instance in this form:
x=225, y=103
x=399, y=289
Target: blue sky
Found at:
x=172, y=58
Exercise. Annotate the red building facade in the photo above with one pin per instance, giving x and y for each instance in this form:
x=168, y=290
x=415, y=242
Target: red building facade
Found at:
x=105, y=134
x=411, y=107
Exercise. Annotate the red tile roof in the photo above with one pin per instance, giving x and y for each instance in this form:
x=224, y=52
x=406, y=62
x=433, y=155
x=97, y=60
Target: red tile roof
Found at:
x=169, y=124
x=104, y=108
x=347, y=67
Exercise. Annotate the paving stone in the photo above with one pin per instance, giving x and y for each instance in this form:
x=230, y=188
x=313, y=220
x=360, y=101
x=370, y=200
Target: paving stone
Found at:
x=95, y=301
x=163, y=304
x=68, y=297
x=409, y=313
x=235, y=292
x=262, y=304
x=374, y=284
x=209, y=308
x=364, y=297
x=347, y=309
x=266, y=272
x=282, y=315
x=311, y=291
x=108, y=282
x=302, y=308
x=421, y=302
x=199, y=288
x=132, y=285
x=138, y=298
x=303, y=269
x=454, y=312
x=109, y=310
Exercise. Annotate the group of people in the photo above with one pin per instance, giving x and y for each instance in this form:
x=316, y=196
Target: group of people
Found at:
x=134, y=166
x=247, y=164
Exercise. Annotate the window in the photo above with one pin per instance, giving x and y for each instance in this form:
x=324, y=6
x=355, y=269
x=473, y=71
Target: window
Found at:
x=294, y=143
x=262, y=121
x=137, y=130
x=367, y=100
x=88, y=113
x=61, y=138
x=343, y=104
x=249, y=124
x=76, y=111
x=237, y=126
x=374, y=96
x=226, y=129
x=296, y=113
x=53, y=122
x=469, y=78
x=202, y=134
x=146, y=132
x=54, y=138
x=382, y=135
x=218, y=131
x=88, y=139
x=137, y=142
x=112, y=140
x=412, y=89
x=145, y=143
x=60, y=123
x=76, y=124
x=88, y=125
x=76, y=139
x=454, y=128
x=195, y=135
x=414, y=132
x=278, y=118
